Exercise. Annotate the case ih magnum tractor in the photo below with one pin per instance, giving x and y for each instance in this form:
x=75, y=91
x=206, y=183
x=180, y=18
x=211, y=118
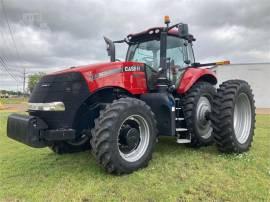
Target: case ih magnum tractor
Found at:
x=119, y=109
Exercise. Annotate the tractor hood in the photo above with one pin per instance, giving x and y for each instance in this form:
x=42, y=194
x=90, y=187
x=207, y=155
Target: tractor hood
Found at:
x=126, y=75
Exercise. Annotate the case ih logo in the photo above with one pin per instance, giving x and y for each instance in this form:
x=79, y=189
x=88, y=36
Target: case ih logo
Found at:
x=133, y=69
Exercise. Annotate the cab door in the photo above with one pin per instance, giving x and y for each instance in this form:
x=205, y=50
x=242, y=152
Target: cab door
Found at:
x=180, y=54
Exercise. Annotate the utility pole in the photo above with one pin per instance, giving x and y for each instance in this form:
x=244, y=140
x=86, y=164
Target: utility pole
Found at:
x=17, y=89
x=24, y=79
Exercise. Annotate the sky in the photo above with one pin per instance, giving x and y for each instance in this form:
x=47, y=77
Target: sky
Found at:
x=46, y=36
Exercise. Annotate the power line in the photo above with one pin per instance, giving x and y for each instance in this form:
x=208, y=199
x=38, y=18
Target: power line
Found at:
x=5, y=56
x=12, y=37
x=10, y=30
x=5, y=42
x=10, y=74
x=3, y=61
x=6, y=68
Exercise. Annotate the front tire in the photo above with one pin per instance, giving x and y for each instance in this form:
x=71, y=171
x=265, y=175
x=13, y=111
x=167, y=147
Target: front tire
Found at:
x=234, y=117
x=124, y=136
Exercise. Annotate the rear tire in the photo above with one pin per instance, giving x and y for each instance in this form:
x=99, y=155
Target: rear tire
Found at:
x=234, y=117
x=124, y=136
x=197, y=101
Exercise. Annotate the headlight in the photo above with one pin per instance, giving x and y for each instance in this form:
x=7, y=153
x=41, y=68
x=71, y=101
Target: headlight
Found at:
x=151, y=32
x=50, y=106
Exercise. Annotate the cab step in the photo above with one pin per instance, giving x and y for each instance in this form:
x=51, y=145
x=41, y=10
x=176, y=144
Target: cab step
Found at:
x=181, y=129
x=183, y=141
x=183, y=137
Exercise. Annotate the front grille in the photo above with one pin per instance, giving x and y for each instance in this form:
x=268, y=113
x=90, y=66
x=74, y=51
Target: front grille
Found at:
x=69, y=88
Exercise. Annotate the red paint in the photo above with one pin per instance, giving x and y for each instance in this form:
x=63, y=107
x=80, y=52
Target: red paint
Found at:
x=134, y=82
x=192, y=75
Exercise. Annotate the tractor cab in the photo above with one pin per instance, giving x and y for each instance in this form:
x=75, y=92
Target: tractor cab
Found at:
x=145, y=47
x=165, y=51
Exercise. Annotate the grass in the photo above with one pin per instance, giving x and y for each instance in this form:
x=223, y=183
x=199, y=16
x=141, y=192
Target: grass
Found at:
x=176, y=173
x=17, y=100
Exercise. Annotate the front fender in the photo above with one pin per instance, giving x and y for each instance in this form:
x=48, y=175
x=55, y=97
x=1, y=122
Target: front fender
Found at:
x=192, y=75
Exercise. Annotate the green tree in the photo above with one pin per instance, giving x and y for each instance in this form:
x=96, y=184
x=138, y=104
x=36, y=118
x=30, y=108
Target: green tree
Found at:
x=33, y=80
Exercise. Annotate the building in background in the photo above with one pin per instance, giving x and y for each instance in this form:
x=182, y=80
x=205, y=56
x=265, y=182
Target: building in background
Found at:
x=257, y=75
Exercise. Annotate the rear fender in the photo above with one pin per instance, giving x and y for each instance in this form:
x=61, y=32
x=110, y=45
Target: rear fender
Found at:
x=193, y=75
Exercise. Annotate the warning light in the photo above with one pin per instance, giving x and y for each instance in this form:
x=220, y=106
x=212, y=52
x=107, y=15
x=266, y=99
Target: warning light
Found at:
x=226, y=62
x=166, y=19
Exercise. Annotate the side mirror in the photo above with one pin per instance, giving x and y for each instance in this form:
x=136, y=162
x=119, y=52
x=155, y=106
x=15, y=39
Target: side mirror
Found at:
x=110, y=48
x=186, y=59
x=183, y=30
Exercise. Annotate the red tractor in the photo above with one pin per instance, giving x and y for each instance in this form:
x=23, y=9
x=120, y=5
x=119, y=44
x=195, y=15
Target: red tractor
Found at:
x=119, y=109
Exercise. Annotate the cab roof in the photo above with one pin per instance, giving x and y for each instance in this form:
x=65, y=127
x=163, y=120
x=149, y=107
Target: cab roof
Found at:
x=151, y=33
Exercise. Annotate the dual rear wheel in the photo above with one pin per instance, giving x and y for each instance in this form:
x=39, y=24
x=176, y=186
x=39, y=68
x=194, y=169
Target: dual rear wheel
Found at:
x=233, y=117
x=225, y=117
x=197, y=106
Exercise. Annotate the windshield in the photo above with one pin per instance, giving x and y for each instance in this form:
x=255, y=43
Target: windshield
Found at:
x=149, y=52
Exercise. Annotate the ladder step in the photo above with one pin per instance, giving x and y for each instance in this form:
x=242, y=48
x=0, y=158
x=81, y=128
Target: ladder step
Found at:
x=179, y=119
x=176, y=98
x=178, y=108
x=181, y=129
x=183, y=141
